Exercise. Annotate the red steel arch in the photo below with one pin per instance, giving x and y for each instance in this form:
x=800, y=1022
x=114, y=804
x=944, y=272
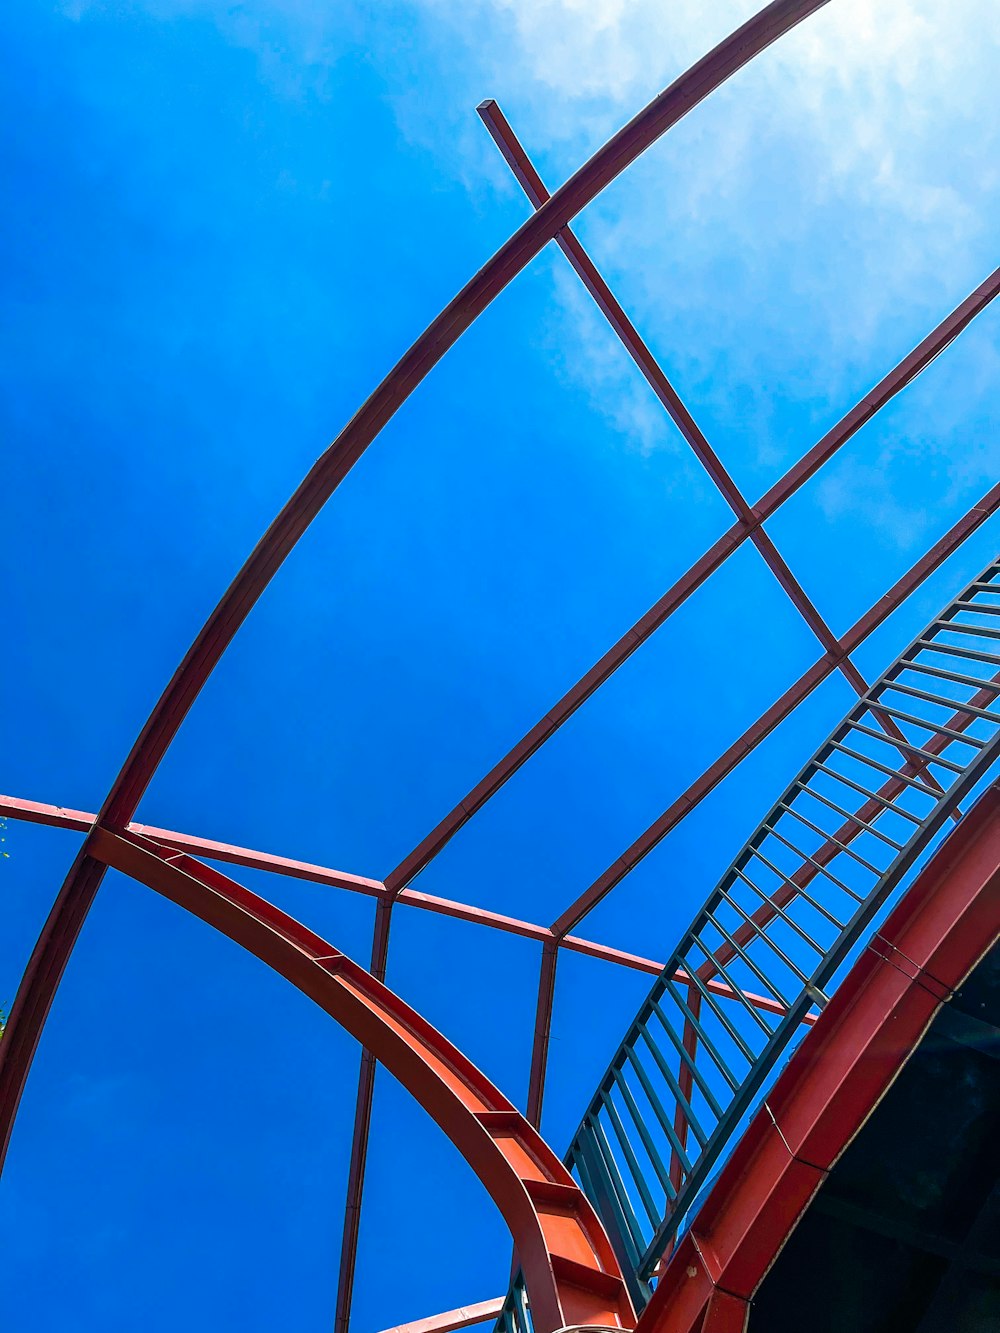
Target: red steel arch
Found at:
x=568, y=1263
x=55, y=944
x=111, y=841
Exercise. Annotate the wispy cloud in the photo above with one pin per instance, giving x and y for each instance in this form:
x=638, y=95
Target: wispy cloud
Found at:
x=834, y=200
x=843, y=188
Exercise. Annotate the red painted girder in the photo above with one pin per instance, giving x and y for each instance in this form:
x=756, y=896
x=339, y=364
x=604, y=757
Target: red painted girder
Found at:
x=450, y=1320
x=606, y=301
x=48, y=960
x=524, y=171
x=652, y=372
x=568, y=1263
x=685, y=1079
x=848, y=831
x=533, y=186
x=897, y=379
x=932, y=940
x=56, y=816
x=774, y=715
x=537, y=193
x=82, y=821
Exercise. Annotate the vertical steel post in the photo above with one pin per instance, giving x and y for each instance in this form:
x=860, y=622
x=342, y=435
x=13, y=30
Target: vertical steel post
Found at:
x=359, y=1143
x=543, y=1025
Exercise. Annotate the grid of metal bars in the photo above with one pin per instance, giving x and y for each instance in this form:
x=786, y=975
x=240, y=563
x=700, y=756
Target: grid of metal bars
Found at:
x=782, y=920
x=749, y=526
x=655, y=1124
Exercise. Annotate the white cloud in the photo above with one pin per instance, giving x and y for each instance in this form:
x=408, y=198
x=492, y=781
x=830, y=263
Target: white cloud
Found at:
x=842, y=187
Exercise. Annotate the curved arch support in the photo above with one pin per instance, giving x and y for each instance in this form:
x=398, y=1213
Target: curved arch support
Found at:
x=48, y=961
x=568, y=1263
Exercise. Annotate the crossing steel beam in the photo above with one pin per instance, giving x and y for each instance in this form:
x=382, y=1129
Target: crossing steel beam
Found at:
x=731, y=540
x=165, y=859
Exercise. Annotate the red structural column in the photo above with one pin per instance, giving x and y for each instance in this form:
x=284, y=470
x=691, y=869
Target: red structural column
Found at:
x=543, y=1026
x=685, y=1081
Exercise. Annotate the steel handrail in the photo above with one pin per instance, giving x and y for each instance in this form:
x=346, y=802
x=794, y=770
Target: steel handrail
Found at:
x=760, y=922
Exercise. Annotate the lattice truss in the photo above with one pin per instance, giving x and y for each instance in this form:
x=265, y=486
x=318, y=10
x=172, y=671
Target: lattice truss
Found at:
x=901, y=743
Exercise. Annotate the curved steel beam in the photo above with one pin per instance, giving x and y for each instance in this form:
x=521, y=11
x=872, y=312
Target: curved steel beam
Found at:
x=800, y=959
x=569, y=1265
x=928, y=945
x=56, y=816
x=609, y=306
x=776, y=714
x=718, y=553
x=49, y=958
x=606, y=164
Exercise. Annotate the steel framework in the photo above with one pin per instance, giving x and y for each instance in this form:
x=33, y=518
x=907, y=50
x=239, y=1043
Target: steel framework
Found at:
x=749, y=974
x=915, y=961
x=784, y=917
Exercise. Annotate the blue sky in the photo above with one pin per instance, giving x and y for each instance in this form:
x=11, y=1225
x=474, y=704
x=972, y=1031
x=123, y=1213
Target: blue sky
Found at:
x=222, y=226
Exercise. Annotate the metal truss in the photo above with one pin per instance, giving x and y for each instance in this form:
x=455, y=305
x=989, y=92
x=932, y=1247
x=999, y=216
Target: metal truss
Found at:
x=726, y=985
x=57, y=816
x=922, y=954
x=784, y=917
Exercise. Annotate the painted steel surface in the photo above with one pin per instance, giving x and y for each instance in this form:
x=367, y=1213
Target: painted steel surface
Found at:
x=449, y=1320
x=702, y=786
x=720, y=977
x=944, y=924
x=776, y=714
x=55, y=944
x=785, y=916
x=703, y=569
x=565, y=1254
x=81, y=821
